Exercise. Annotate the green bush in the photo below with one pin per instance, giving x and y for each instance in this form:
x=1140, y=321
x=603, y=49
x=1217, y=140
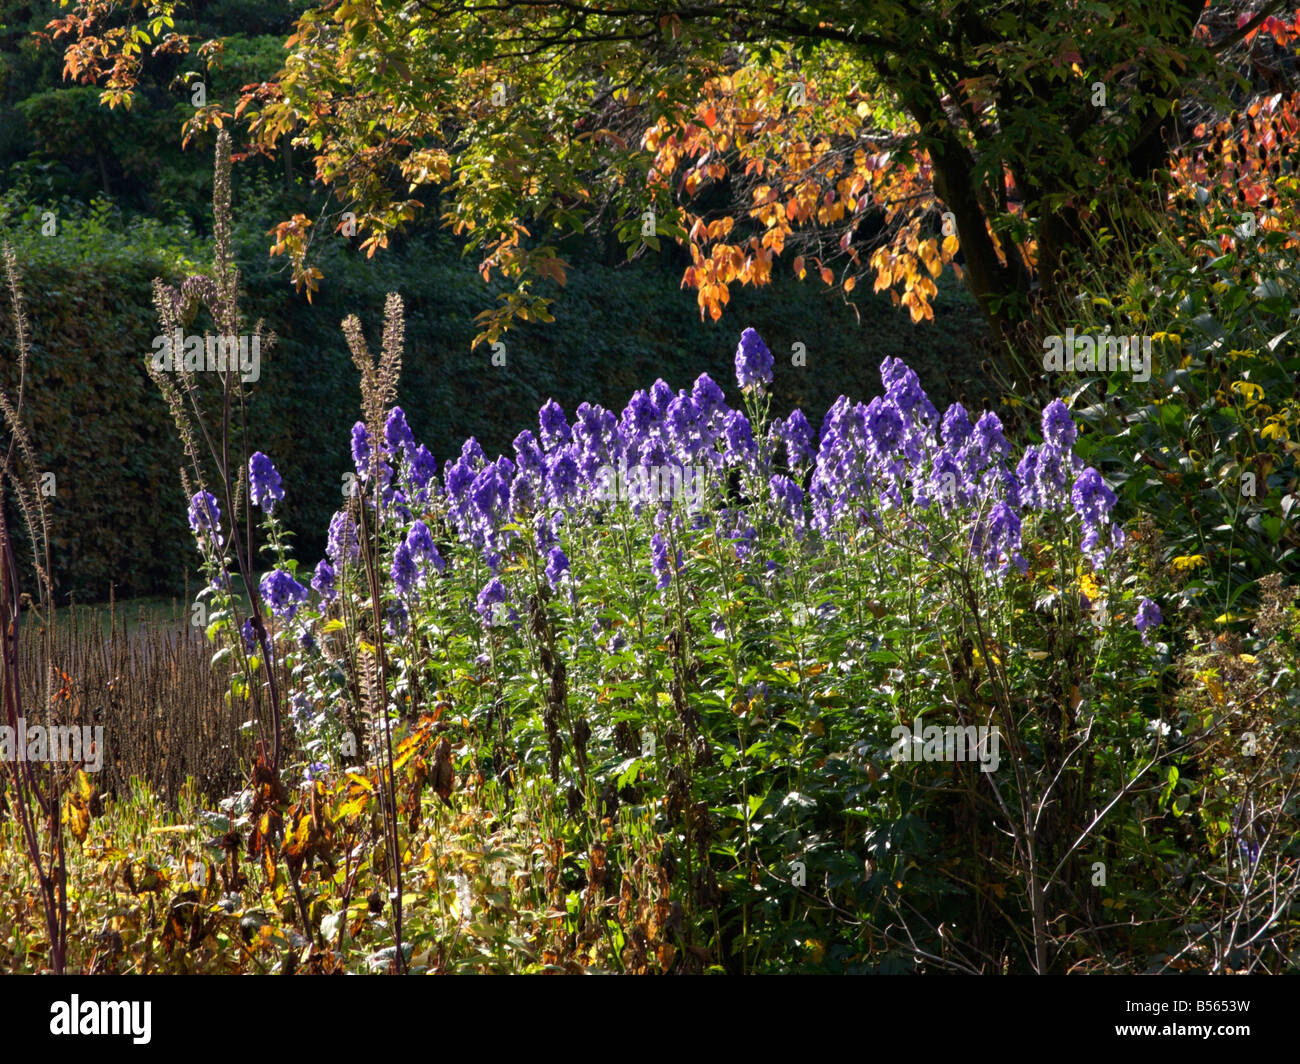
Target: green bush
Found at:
x=1208, y=443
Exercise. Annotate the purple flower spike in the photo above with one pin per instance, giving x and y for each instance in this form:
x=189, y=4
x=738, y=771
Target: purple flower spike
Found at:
x=397, y=432
x=323, y=581
x=205, y=514
x=1148, y=617
x=263, y=482
x=557, y=565
x=753, y=361
x=283, y=594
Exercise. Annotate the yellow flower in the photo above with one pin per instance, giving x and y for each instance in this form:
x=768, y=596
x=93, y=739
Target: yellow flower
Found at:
x=1214, y=687
x=1187, y=562
x=1248, y=390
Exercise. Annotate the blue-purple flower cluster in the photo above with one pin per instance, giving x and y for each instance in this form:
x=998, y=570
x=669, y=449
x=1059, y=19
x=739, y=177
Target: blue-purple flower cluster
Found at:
x=263, y=482
x=895, y=455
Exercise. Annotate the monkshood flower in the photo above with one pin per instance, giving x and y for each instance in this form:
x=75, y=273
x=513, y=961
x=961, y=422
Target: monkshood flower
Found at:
x=323, y=581
x=397, y=433
x=491, y=603
x=1045, y=475
x=661, y=395
x=797, y=435
x=546, y=528
x=987, y=440
x=739, y=435
x=998, y=541
x=659, y=561
x=1059, y=429
x=595, y=437
x=984, y=457
x=707, y=396
x=834, y=414
x=342, y=546
x=361, y=449
x=420, y=541
x=842, y=477
x=523, y=495
x=884, y=428
x=1003, y=485
x=1027, y=474
x=557, y=565
x=437, y=561
x=903, y=388
x=562, y=475
x=248, y=632
x=1147, y=617
x=885, y=438
x=489, y=507
x=981, y=457
x=529, y=460
x=1047, y=472
x=956, y=428
x=205, y=515
x=920, y=418
x=1093, y=502
x=640, y=417
x=404, y=571
x=655, y=452
x=283, y=594
x=458, y=478
x=753, y=361
x=422, y=469
x=390, y=494
x=263, y=482
x=942, y=484
x=787, y=497
x=681, y=418
x=554, y=426
x=736, y=529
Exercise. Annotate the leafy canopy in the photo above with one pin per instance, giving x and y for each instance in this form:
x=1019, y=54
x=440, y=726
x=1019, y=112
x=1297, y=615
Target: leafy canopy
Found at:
x=885, y=138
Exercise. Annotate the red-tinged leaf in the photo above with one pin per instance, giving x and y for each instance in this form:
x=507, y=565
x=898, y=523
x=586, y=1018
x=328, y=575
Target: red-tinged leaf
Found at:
x=710, y=118
x=827, y=276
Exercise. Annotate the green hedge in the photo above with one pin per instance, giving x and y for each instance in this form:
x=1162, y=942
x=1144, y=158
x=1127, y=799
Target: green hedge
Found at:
x=97, y=421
